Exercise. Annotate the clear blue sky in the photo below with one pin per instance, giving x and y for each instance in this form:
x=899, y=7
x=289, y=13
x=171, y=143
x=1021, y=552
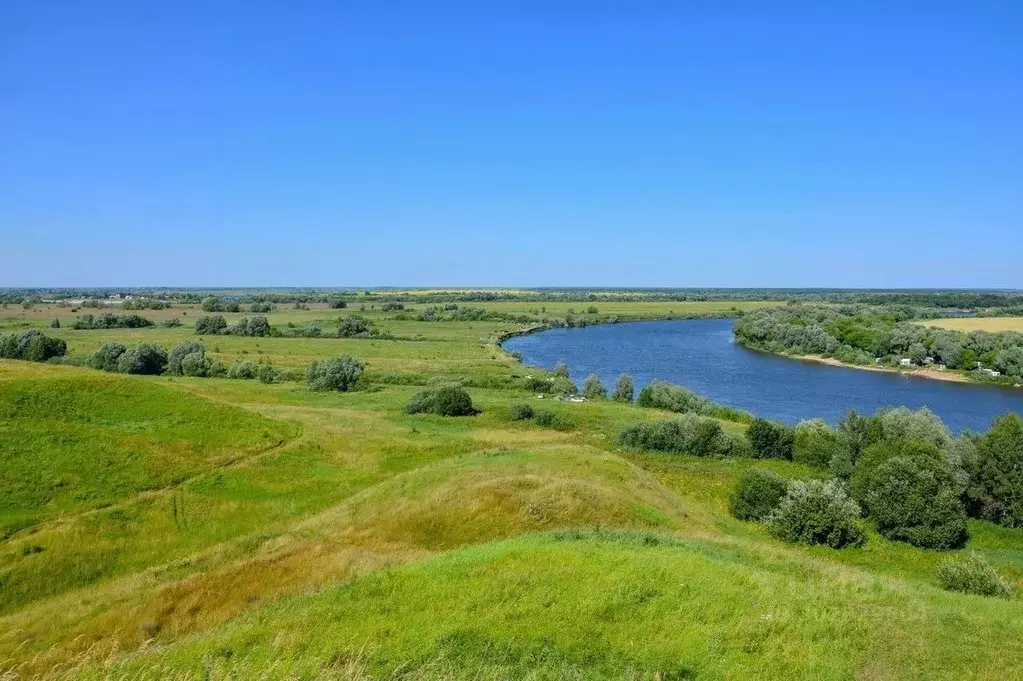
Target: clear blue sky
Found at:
x=539, y=143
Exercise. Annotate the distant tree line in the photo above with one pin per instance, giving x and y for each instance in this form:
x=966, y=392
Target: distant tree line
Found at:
x=868, y=335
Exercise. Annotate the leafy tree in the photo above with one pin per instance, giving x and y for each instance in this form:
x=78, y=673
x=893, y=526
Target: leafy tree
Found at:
x=259, y=326
x=623, y=389
x=757, y=493
x=178, y=352
x=55, y=324
x=816, y=512
x=913, y=499
x=815, y=443
x=1010, y=361
x=337, y=303
x=770, y=440
x=144, y=358
x=105, y=359
x=195, y=364
x=340, y=373
x=999, y=471
x=211, y=304
x=593, y=389
x=560, y=370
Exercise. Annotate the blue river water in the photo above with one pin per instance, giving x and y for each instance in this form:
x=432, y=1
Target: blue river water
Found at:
x=702, y=355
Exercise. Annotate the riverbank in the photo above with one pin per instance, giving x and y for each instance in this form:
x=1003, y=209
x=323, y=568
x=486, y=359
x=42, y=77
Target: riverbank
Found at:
x=917, y=372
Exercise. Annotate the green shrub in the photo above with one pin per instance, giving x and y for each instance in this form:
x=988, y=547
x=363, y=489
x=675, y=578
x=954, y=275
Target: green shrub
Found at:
x=170, y=323
x=684, y=434
x=770, y=440
x=55, y=323
x=340, y=373
x=816, y=512
x=520, y=412
x=593, y=389
x=913, y=499
x=242, y=370
x=210, y=325
x=144, y=358
x=560, y=370
x=262, y=307
x=971, y=574
x=664, y=395
x=353, y=326
x=623, y=390
x=267, y=374
x=757, y=493
x=105, y=359
x=178, y=352
x=815, y=443
x=448, y=400
x=548, y=418
x=999, y=471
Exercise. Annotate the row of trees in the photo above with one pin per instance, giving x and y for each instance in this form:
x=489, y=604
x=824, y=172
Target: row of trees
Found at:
x=212, y=325
x=109, y=320
x=859, y=334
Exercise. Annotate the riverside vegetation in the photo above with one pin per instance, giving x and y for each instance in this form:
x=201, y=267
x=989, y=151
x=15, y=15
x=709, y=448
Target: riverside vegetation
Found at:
x=402, y=504
x=887, y=336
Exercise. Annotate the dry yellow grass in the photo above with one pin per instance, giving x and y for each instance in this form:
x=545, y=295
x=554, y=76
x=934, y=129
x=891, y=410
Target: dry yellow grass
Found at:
x=990, y=324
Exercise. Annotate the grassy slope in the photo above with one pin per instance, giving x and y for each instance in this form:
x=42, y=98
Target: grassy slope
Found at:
x=279, y=562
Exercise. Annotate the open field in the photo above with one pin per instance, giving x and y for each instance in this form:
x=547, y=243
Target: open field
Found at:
x=196, y=528
x=989, y=324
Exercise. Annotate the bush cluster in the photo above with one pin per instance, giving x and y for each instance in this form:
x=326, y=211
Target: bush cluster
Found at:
x=685, y=434
x=816, y=512
x=215, y=304
x=31, y=346
x=353, y=326
x=341, y=373
x=446, y=400
x=670, y=397
x=971, y=574
x=111, y=321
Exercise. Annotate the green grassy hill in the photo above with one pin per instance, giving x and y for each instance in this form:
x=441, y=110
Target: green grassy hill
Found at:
x=192, y=528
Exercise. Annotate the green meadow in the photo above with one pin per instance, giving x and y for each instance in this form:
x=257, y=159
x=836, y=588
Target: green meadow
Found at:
x=161, y=527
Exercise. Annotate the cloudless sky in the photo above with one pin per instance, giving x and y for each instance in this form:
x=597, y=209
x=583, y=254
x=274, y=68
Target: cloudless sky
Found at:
x=699, y=143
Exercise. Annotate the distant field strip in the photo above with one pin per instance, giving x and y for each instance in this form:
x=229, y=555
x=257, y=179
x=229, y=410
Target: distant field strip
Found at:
x=990, y=324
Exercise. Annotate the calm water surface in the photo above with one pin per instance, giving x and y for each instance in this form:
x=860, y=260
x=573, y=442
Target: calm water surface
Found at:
x=703, y=356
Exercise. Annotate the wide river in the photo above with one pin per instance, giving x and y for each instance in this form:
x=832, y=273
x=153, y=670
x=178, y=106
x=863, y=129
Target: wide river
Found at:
x=703, y=356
